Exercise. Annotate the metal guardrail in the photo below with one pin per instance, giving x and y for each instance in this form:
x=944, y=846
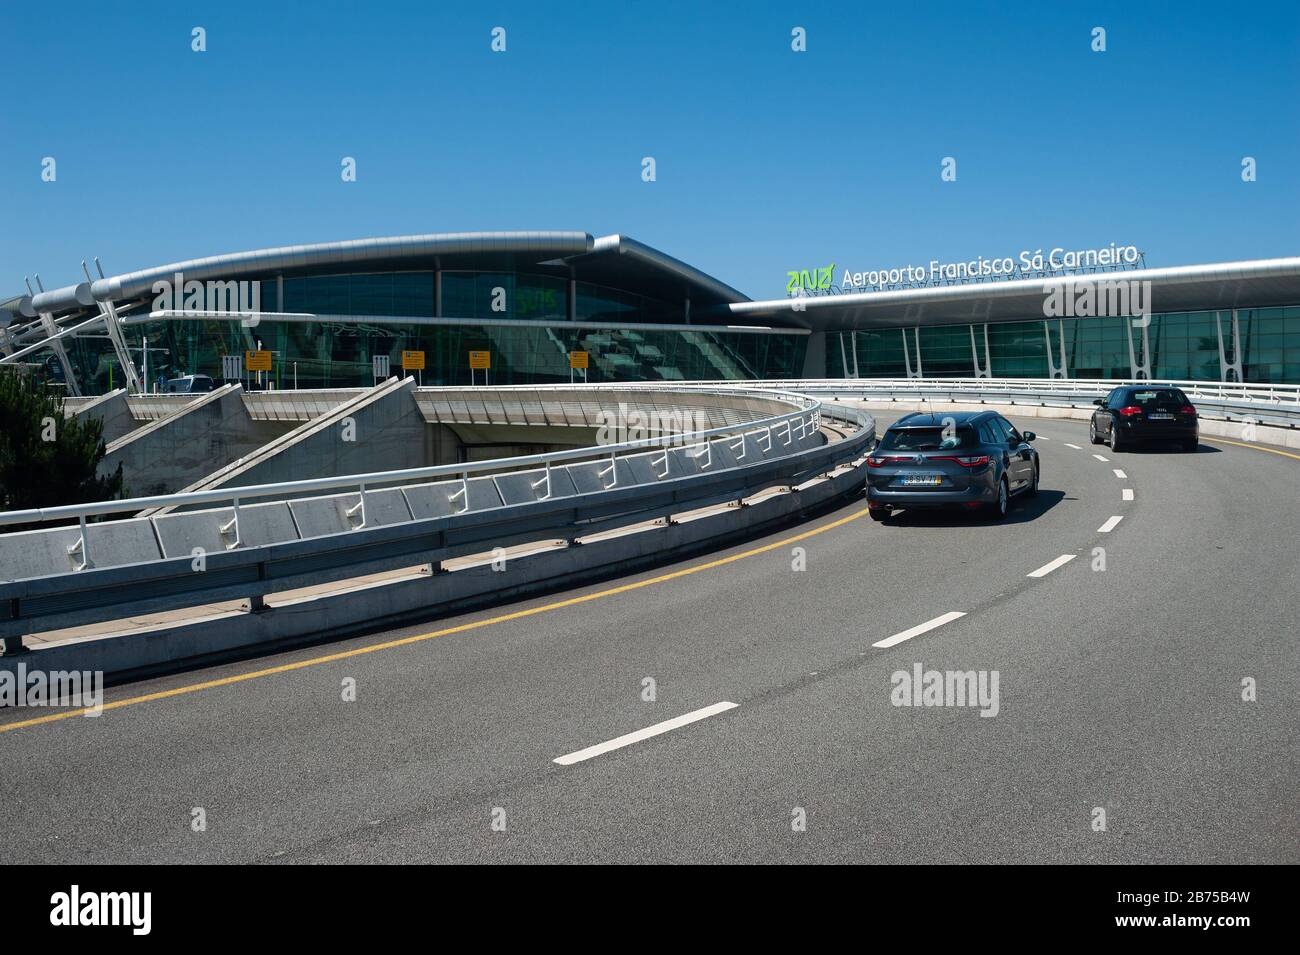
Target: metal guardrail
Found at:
x=96, y=594
x=809, y=411
x=1272, y=404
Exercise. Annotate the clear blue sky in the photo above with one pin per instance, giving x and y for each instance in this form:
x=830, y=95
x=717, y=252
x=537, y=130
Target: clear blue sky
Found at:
x=768, y=160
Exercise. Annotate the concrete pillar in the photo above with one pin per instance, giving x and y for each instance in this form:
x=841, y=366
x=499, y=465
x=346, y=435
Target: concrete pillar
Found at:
x=814, y=357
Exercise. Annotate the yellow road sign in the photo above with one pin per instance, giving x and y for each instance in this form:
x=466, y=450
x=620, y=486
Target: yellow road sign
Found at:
x=413, y=360
x=578, y=359
x=480, y=360
x=257, y=361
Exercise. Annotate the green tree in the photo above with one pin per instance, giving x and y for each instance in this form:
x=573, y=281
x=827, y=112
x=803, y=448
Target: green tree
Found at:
x=45, y=458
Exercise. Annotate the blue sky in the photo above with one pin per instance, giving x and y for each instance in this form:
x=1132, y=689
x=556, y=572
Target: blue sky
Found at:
x=767, y=159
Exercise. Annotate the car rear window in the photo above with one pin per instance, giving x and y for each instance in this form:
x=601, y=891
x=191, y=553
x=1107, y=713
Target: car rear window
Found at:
x=1157, y=398
x=928, y=439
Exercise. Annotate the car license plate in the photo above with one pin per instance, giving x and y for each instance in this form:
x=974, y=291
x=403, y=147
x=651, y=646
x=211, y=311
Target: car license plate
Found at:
x=1160, y=416
x=922, y=480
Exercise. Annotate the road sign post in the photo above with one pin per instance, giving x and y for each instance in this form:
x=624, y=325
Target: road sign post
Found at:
x=258, y=361
x=379, y=367
x=414, y=361
x=477, y=360
x=578, y=361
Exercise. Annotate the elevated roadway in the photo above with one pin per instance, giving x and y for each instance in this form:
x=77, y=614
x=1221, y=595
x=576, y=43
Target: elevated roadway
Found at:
x=1120, y=690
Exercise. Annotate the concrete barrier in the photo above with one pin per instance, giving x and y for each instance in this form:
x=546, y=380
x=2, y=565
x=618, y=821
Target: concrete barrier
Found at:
x=42, y=552
x=419, y=596
x=268, y=523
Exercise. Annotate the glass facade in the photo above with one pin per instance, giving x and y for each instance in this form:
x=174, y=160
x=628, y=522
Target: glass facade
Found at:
x=338, y=354
x=1183, y=346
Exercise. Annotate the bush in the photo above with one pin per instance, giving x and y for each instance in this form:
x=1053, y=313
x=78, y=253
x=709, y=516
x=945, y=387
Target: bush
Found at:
x=46, y=459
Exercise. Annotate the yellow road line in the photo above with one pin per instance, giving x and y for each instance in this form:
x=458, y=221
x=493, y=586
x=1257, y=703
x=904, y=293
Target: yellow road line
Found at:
x=1257, y=447
x=419, y=638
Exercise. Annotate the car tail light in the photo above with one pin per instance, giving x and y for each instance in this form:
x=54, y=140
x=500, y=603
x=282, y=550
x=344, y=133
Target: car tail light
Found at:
x=874, y=462
x=973, y=461
x=1187, y=409
x=1130, y=411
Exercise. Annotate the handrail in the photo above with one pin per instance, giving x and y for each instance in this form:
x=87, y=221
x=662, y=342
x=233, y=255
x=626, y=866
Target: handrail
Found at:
x=807, y=407
x=1278, y=393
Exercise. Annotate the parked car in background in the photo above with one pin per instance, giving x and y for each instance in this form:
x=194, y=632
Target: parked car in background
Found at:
x=189, y=385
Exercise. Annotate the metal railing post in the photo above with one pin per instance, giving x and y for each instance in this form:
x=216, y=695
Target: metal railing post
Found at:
x=358, y=508
x=611, y=470
x=231, y=528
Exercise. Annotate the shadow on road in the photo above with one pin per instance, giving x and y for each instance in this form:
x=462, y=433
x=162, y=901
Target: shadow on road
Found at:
x=1023, y=509
x=1163, y=448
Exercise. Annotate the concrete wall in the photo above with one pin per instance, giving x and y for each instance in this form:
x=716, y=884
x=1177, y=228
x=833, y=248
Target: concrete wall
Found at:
x=112, y=411
x=381, y=430
x=173, y=452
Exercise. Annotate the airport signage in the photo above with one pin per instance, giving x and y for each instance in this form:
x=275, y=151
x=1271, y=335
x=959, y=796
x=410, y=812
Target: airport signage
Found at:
x=257, y=361
x=1027, y=264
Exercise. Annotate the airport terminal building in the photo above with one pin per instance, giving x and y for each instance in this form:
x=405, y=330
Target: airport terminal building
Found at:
x=530, y=299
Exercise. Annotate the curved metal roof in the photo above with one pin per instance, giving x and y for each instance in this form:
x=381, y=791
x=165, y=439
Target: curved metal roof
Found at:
x=615, y=260
x=297, y=258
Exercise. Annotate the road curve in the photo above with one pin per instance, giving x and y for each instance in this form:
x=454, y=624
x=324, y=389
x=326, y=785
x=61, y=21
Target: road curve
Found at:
x=1120, y=691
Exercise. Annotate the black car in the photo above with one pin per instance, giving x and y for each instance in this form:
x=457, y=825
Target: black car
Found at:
x=1134, y=413
x=970, y=459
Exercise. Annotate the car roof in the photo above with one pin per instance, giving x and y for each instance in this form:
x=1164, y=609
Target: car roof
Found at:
x=918, y=419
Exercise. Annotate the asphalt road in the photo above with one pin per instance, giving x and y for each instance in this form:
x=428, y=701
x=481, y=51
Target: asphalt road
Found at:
x=1119, y=690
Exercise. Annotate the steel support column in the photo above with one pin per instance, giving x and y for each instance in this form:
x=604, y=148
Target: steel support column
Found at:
x=1056, y=368
x=907, y=361
x=987, y=370
x=1228, y=368
x=1142, y=371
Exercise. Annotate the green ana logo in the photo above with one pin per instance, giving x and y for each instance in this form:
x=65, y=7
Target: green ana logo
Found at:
x=816, y=279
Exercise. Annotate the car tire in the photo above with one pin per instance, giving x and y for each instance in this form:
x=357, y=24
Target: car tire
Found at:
x=1116, y=443
x=1191, y=446
x=1032, y=490
x=1093, y=437
x=879, y=513
x=999, y=508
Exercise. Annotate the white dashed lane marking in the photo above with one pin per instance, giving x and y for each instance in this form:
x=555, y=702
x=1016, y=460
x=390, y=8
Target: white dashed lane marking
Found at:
x=918, y=630
x=1100, y=458
x=636, y=737
x=1128, y=494
x=1049, y=567
x=1110, y=524
x=1120, y=474
x=1075, y=446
